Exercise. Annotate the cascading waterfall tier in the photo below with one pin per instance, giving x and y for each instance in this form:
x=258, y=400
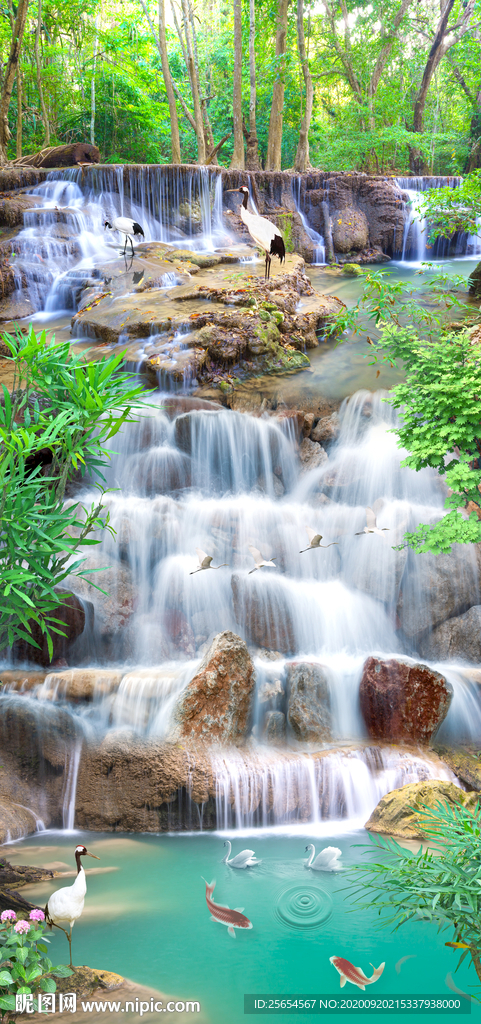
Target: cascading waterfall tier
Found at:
x=208, y=478
x=415, y=245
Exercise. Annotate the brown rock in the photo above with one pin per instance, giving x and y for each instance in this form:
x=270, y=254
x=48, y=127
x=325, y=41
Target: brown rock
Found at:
x=394, y=815
x=401, y=701
x=71, y=616
x=216, y=704
x=263, y=615
x=327, y=429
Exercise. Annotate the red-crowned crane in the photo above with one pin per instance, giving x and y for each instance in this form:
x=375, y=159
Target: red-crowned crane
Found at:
x=265, y=234
x=127, y=227
x=67, y=904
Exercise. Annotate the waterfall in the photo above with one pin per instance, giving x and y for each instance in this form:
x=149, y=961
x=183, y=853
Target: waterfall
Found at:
x=184, y=478
x=349, y=784
x=415, y=247
x=63, y=237
x=317, y=239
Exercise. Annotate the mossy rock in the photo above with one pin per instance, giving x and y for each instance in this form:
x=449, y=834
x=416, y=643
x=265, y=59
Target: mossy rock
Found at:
x=352, y=270
x=284, y=222
x=474, y=282
x=396, y=813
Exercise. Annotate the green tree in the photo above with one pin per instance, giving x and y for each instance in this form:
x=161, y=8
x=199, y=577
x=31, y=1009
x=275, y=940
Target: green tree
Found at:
x=64, y=413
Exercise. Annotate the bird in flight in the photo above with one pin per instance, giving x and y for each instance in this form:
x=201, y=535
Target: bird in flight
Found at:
x=315, y=540
x=204, y=562
x=372, y=526
x=259, y=560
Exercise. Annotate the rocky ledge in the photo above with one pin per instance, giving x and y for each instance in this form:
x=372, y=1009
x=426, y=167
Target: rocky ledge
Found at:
x=220, y=328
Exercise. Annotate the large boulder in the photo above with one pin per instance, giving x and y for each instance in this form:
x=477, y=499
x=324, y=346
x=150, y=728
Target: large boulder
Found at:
x=350, y=229
x=309, y=713
x=262, y=612
x=71, y=620
x=437, y=588
x=396, y=813
x=403, y=701
x=458, y=638
x=215, y=706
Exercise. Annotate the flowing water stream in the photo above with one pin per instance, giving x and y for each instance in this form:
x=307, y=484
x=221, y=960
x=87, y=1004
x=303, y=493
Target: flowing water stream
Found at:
x=184, y=478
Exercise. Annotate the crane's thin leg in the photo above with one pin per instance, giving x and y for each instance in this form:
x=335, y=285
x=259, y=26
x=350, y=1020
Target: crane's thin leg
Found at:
x=268, y=266
x=69, y=936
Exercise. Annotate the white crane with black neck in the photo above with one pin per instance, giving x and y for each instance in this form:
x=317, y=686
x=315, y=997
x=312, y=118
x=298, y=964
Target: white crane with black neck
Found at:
x=126, y=226
x=265, y=234
x=67, y=904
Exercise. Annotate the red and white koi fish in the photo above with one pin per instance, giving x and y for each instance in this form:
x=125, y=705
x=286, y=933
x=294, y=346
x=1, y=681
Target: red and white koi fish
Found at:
x=219, y=912
x=354, y=974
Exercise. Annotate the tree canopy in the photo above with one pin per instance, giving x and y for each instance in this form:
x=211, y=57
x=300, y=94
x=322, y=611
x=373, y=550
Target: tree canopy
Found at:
x=392, y=85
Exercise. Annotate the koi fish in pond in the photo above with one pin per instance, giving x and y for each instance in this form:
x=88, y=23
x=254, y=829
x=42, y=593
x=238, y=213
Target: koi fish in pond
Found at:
x=354, y=974
x=219, y=912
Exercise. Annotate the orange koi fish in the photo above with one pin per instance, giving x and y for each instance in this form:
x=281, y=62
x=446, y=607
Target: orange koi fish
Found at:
x=219, y=912
x=354, y=974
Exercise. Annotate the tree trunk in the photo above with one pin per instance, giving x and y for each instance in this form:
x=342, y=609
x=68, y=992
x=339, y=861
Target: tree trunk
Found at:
x=252, y=142
x=92, y=87
x=174, y=121
x=445, y=37
x=194, y=84
x=39, y=75
x=237, y=161
x=9, y=76
x=19, y=112
x=302, y=162
x=274, y=145
x=160, y=40
x=474, y=158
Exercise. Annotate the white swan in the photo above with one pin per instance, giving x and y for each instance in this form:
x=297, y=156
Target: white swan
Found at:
x=326, y=860
x=245, y=859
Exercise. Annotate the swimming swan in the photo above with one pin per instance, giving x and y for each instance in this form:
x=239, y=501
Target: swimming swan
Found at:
x=326, y=860
x=245, y=859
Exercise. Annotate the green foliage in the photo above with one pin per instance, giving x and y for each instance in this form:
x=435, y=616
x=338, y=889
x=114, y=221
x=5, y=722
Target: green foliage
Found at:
x=24, y=968
x=440, y=399
x=348, y=131
x=71, y=409
x=453, y=209
x=441, y=885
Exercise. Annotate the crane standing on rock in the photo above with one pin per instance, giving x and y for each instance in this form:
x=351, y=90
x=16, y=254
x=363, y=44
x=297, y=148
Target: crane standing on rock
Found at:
x=67, y=904
x=265, y=234
x=127, y=227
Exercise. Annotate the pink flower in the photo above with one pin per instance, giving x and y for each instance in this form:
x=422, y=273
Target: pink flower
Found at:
x=22, y=927
x=8, y=915
x=37, y=915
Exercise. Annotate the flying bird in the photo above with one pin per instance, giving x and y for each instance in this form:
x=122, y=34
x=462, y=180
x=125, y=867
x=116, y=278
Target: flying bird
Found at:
x=372, y=526
x=259, y=560
x=126, y=227
x=219, y=912
x=245, y=859
x=315, y=540
x=67, y=904
x=265, y=234
x=204, y=562
x=326, y=860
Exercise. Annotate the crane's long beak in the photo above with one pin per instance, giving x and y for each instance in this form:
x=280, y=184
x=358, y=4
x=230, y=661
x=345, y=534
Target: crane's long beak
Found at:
x=92, y=855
